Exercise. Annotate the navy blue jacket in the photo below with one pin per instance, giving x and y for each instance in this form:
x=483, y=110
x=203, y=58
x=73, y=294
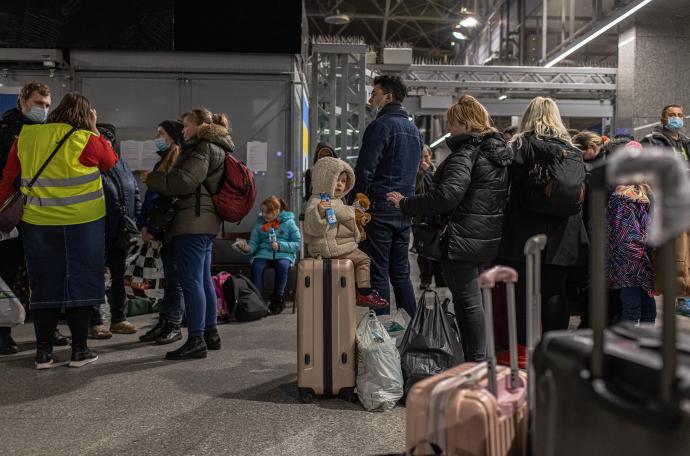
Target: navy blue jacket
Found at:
x=389, y=156
x=121, y=191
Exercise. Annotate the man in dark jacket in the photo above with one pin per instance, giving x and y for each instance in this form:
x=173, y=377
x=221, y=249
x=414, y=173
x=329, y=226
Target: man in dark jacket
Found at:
x=388, y=162
x=121, y=199
x=32, y=108
x=667, y=133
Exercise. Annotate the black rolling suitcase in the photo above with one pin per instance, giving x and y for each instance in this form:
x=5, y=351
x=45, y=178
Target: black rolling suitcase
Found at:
x=624, y=390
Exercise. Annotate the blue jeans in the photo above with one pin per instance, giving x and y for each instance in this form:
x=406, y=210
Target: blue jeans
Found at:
x=638, y=305
x=281, y=266
x=388, y=244
x=172, y=304
x=193, y=264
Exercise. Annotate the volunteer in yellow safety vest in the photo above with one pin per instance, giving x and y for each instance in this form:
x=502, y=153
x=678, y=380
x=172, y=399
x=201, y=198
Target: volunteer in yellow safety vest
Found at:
x=63, y=221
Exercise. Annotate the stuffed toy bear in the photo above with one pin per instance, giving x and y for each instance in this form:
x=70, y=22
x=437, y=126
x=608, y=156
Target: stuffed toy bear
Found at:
x=362, y=217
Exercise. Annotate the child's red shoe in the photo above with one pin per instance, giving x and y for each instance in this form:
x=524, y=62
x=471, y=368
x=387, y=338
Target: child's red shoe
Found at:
x=373, y=300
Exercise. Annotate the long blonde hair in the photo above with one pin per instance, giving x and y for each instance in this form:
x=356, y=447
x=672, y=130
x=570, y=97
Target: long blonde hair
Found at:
x=170, y=158
x=468, y=111
x=542, y=118
x=636, y=192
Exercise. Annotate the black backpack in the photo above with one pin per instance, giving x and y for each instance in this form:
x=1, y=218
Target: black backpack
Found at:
x=556, y=177
x=244, y=299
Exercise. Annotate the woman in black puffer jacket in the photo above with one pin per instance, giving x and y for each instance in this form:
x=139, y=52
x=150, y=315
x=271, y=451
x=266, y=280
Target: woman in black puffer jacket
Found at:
x=471, y=187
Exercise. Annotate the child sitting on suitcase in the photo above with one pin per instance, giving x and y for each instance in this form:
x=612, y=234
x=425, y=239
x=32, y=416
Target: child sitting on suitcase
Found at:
x=630, y=263
x=274, y=242
x=330, y=227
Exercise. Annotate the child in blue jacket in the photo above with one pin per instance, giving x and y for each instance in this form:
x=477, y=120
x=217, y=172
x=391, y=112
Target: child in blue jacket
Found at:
x=275, y=241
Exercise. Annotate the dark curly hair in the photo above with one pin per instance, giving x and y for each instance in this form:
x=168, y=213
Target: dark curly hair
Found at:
x=393, y=85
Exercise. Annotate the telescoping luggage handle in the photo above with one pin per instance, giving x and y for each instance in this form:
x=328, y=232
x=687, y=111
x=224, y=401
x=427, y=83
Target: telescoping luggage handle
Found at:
x=533, y=248
x=667, y=176
x=488, y=280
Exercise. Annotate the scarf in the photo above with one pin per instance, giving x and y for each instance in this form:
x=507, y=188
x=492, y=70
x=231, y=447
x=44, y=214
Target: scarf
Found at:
x=268, y=225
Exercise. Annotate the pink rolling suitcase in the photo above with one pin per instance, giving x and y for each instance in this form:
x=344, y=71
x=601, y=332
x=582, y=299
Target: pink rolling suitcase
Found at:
x=474, y=408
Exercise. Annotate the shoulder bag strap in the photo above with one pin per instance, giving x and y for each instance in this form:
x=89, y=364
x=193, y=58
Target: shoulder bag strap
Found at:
x=45, y=163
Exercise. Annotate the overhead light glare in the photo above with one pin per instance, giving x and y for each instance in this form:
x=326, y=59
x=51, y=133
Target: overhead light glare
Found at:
x=502, y=97
x=439, y=140
x=628, y=41
x=599, y=32
x=458, y=35
x=469, y=22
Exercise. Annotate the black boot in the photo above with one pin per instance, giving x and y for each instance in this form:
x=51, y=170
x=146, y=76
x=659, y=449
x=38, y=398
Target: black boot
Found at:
x=44, y=356
x=170, y=333
x=277, y=305
x=154, y=333
x=194, y=348
x=7, y=345
x=59, y=340
x=212, y=339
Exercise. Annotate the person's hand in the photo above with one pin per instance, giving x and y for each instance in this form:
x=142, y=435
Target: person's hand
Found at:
x=275, y=246
x=93, y=119
x=145, y=235
x=424, y=165
x=395, y=197
x=323, y=205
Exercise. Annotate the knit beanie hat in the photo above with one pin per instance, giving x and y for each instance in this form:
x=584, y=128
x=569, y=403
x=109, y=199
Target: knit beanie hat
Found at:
x=174, y=129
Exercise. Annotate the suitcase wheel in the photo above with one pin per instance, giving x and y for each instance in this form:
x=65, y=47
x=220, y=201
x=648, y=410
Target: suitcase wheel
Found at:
x=347, y=394
x=306, y=395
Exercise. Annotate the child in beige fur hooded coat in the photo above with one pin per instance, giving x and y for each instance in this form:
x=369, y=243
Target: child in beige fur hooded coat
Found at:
x=336, y=178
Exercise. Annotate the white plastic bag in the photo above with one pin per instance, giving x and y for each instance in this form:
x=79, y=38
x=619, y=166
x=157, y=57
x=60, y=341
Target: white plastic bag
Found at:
x=11, y=310
x=398, y=325
x=379, y=375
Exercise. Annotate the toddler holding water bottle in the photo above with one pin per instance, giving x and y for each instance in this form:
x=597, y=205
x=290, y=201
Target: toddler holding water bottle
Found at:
x=330, y=228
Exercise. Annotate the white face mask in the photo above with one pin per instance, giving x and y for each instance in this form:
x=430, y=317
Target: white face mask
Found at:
x=37, y=114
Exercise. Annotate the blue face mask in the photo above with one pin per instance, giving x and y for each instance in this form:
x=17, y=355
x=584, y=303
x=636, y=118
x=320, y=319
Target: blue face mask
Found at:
x=674, y=123
x=38, y=114
x=161, y=145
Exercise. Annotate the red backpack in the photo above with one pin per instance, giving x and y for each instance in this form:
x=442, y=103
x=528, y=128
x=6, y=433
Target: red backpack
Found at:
x=236, y=192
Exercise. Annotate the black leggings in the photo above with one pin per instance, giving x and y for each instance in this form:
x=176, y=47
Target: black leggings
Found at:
x=555, y=314
x=46, y=320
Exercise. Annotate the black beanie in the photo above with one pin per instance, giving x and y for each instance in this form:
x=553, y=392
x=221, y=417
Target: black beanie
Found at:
x=174, y=129
x=107, y=130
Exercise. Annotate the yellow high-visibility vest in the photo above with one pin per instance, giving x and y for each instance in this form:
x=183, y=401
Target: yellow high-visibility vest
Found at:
x=67, y=192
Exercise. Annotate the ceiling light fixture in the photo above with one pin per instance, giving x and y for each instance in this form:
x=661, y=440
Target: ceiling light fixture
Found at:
x=337, y=19
x=439, y=140
x=599, y=32
x=502, y=97
x=458, y=35
x=469, y=22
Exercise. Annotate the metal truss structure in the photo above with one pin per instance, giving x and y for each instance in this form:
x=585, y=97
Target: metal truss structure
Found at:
x=514, y=81
x=338, y=96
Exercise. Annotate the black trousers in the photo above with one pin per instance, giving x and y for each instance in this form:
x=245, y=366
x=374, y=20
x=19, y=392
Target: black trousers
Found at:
x=555, y=313
x=463, y=281
x=115, y=259
x=46, y=320
x=429, y=269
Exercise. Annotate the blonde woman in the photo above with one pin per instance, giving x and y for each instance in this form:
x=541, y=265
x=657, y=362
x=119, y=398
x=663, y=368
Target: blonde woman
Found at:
x=468, y=194
x=589, y=143
x=197, y=172
x=169, y=142
x=541, y=142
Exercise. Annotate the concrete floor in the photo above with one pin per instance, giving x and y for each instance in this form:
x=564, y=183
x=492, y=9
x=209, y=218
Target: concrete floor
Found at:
x=241, y=400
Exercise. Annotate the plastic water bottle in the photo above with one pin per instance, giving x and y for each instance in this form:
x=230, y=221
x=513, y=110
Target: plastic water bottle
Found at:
x=272, y=238
x=330, y=213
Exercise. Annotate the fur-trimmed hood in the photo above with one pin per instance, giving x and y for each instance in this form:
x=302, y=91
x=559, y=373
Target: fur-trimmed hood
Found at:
x=216, y=134
x=325, y=174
